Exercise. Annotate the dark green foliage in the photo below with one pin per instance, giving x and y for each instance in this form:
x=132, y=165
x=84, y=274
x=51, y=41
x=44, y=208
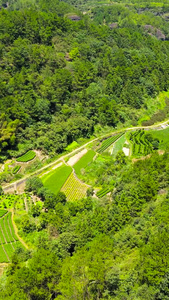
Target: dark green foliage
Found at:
x=33, y=184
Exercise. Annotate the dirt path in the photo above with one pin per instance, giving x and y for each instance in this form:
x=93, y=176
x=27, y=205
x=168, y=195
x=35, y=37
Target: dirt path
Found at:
x=11, y=233
x=80, y=180
x=16, y=232
x=26, y=204
x=13, y=185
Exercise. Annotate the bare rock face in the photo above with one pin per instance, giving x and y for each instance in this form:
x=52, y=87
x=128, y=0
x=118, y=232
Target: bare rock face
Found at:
x=154, y=32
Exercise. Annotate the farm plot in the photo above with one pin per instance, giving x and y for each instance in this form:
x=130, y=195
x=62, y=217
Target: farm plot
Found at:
x=140, y=143
x=16, y=169
x=104, y=191
x=74, y=189
x=108, y=142
x=84, y=161
x=27, y=156
x=55, y=179
x=118, y=145
x=8, y=239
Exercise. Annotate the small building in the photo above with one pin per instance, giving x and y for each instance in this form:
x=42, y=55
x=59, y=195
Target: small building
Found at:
x=74, y=18
x=113, y=25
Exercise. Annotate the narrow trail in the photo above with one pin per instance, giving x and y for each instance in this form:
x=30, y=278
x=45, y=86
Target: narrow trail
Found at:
x=16, y=232
x=26, y=204
x=14, y=241
x=20, y=181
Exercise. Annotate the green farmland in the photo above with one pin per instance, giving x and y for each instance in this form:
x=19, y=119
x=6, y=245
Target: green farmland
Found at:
x=108, y=142
x=84, y=161
x=55, y=179
x=27, y=156
x=74, y=189
x=118, y=145
x=8, y=239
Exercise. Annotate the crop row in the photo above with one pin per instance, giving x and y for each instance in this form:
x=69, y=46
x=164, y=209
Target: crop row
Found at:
x=27, y=156
x=74, y=189
x=108, y=142
x=103, y=192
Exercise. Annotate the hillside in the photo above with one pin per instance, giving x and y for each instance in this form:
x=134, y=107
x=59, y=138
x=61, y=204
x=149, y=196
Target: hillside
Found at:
x=84, y=150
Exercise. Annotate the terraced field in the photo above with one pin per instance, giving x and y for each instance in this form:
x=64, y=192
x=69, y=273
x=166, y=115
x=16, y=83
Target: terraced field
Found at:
x=74, y=189
x=8, y=239
x=141, y=146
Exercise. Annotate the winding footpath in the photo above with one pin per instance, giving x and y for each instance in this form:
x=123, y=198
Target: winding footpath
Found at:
x=15, y=184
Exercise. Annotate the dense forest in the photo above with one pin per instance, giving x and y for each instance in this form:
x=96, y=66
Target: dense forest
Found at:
x=61, y=79
x=67, y=74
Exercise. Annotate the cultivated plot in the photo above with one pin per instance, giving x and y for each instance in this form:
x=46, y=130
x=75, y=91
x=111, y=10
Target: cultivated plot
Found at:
x=55, y=179
x=8, y=239
x=84, y=161
x=108, y=142
x=74, y=189
x=27, y=156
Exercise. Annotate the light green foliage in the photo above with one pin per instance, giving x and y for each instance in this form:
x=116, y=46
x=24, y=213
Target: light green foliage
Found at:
x=27, y=156
x=118, y=145
x=2, y=212
x=84, y=161
x=55, y=179
x=163, y=137
x=108, y=142
x=72, y=146
x=74, y=189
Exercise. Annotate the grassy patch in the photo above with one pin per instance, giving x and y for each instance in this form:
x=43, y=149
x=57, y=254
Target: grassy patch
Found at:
x=163, y=136
x=27, y=156
x=74, y=189
x=56, y=178
x=84, y=161
x=72, y=146
x=118, y=146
